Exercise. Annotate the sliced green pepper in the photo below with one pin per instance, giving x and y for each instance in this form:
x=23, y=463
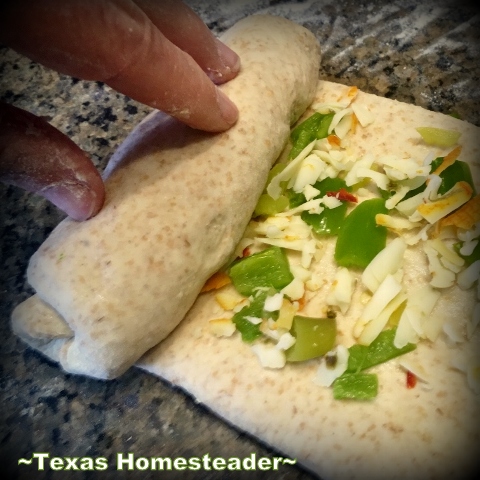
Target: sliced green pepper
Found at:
x=355, y=386
x=268, y=268
x=290, y=199
x=386, y=194
x=275, y=170
x=439, y=137
x=473, y=257
x=314, y=127
x=314, y=338
x=330, y=220
x=267, y=205
x=457, y=172
x=360, y=239
x=247, y=329
x=295, y=198
x=330, y=185
x=379, y=351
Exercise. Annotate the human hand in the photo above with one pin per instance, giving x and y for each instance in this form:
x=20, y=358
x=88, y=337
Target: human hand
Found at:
x=158, y=52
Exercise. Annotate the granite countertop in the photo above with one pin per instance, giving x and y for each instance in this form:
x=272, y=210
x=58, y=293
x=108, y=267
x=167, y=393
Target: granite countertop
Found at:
x=427, y=53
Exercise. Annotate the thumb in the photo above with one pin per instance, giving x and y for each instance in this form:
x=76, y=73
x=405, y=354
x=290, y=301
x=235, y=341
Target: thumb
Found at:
x=39, y=158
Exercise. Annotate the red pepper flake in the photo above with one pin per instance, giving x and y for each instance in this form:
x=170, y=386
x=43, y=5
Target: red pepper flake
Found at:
x=246, y=252
x=411, y=379
x=343, y=195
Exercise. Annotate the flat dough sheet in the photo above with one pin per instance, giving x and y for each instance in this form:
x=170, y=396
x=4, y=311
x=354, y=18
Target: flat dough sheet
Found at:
x=430, y=431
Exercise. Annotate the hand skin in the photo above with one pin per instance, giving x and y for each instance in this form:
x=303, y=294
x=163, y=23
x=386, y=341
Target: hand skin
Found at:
x=158, y=52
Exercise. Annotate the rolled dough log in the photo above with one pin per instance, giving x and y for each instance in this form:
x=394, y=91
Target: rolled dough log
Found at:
x=178, y=201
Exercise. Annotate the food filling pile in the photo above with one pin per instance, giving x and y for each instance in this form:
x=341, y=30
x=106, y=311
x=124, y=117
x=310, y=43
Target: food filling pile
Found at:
x=364, y=214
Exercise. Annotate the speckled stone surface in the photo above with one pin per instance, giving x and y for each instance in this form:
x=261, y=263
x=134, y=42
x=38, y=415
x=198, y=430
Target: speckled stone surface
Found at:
x=427, y=53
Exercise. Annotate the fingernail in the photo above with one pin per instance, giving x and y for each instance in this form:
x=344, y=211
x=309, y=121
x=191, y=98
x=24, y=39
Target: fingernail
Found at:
x=229, y=58
x=76, y=200
x=228, y=109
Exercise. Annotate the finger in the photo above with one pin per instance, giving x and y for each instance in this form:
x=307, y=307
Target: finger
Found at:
x=115, y=42
x=37, y=157
x=185, y=29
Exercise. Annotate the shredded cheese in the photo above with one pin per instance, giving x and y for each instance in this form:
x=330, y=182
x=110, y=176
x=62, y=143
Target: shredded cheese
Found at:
x=427, y=220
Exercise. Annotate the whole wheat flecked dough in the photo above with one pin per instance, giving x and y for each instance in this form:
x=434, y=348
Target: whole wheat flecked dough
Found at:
x=430, y=431
x=178, y=201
